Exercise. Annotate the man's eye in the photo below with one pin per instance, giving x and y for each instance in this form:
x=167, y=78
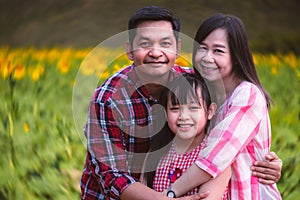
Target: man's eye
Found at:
x=166, y=44
x=144, y=44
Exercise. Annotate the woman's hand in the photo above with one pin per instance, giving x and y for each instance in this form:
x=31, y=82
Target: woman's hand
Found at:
x=269, y=171
x=198, y=196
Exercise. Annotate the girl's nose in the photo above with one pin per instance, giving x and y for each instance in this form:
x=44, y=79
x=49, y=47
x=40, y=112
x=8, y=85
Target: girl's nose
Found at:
x=183, y=114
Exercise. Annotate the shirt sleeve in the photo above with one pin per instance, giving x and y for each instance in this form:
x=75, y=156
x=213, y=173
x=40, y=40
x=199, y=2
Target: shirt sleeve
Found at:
x=105, y=144
x=241, y=119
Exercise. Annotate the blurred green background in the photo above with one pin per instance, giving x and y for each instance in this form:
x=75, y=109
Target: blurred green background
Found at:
x=272, y=25
x=43, y=44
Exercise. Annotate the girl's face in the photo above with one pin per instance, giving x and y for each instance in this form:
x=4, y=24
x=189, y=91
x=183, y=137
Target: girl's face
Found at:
x=212, y=59
x=188, y=121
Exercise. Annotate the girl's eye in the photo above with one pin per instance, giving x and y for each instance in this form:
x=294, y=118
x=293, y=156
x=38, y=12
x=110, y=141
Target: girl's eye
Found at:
x=174, y=108
x=195, y=107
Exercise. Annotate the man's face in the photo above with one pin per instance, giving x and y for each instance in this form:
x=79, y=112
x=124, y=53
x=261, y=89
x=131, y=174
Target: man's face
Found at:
x=154, y=50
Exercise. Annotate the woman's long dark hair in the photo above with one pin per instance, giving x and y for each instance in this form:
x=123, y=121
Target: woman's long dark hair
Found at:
x=241, y=56
x=179, y=91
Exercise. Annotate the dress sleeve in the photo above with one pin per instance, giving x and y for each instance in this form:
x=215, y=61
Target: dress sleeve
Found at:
x=238, y=124
x=105, y=144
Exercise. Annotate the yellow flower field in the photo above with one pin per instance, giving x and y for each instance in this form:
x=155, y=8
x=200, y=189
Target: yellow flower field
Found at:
x=42, y=148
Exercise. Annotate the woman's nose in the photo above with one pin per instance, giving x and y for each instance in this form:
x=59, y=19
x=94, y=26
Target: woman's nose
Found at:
x=207, y=57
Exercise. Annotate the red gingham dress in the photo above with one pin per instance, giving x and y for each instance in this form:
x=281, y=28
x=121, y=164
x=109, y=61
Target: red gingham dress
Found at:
x=174, y=162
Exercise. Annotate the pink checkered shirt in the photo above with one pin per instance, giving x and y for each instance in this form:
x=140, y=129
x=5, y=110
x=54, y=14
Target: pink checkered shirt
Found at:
x=170, y=162
x=241, y=136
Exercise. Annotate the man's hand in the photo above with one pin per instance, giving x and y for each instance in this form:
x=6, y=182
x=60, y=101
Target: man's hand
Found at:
x=198, y=196
x=269, y=171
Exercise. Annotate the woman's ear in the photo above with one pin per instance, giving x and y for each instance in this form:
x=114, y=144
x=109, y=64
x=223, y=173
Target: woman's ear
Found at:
x=129, y=51
x=211, y=110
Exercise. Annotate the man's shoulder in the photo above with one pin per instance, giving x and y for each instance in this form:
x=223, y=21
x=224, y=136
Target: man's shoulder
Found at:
x=113, y=84
x=181, y=69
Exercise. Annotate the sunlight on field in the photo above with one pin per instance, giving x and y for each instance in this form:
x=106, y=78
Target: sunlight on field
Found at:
x=37, y=118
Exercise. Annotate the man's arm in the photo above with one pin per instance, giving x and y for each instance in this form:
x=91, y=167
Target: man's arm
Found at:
x=269, y=171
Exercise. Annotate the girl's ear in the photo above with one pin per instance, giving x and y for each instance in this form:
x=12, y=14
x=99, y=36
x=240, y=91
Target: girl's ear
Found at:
x=129, y=51
x=211, y=110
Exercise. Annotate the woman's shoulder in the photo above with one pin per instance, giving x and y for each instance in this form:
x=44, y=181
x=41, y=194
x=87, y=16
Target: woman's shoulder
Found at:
x=247, y=92
x=247, y=87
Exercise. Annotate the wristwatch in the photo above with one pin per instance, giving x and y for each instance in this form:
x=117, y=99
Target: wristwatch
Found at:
x=170, y=192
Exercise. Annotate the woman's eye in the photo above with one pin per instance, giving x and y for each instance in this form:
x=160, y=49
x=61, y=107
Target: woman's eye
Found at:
x=219, y=51
x=202, y=48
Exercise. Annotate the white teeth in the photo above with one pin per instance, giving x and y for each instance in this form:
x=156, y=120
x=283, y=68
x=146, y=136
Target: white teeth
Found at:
x=185, y=125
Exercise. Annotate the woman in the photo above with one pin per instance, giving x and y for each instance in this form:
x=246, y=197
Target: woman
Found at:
x=242, y=133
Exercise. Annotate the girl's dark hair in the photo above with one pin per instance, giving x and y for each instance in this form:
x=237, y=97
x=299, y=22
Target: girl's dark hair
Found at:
x=181, y=89
x=241, y=56
x=152, y=13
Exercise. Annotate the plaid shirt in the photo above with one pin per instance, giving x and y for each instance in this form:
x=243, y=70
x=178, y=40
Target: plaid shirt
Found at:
x=172, y=161
x=241, y=136
x=118, y=128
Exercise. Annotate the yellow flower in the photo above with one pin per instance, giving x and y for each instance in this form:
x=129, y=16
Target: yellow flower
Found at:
x=5, y=68
x=26, y=127
x=19, y=71
x=274, y=70
x=37, y=72
x=63, y=66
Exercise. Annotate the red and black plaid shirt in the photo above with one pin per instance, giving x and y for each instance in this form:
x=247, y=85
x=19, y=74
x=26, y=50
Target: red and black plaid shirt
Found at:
x=118, y=129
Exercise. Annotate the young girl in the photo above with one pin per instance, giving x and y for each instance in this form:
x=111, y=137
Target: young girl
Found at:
x=189, y=109
x=242, y=133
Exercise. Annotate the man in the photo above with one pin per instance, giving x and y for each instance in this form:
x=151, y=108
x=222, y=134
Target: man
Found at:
x=122, y=110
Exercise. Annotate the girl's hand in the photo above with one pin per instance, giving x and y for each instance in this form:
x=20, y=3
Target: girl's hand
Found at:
x=269, y=171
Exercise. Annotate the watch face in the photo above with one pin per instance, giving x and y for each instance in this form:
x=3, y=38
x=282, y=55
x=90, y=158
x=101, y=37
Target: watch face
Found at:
x=171, y=194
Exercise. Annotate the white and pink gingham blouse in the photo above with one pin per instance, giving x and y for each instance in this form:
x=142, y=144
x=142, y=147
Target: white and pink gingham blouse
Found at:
x=241, y=136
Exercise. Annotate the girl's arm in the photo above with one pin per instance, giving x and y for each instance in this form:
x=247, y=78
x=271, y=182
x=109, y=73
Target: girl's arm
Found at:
x=217, y=186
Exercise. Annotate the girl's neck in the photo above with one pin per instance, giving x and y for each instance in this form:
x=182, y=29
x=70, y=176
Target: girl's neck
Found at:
x=183, y=146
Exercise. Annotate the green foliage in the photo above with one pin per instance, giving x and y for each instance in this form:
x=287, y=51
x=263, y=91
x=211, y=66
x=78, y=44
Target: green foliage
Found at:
x=42, y=155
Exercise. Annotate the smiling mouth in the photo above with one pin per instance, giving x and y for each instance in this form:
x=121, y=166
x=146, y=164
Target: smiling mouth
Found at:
x=184, y=125
x=208, y=68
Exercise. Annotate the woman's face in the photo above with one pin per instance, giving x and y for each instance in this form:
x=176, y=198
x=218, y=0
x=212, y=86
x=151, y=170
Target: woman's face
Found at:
x=212, y=58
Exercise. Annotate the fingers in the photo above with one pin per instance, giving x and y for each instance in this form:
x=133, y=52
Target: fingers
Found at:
x=272, y=156
x=267, y=174
x=198, y=196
